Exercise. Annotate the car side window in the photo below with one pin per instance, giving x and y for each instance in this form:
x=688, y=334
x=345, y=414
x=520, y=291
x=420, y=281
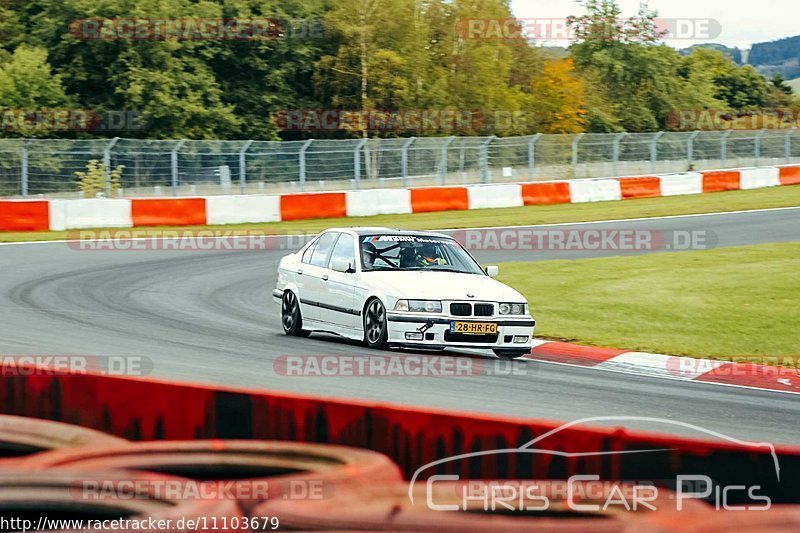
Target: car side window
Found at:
x=344, y=249
x=322, y=251
x=309, y=251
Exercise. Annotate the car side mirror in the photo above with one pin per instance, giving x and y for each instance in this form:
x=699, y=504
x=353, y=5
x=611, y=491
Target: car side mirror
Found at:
x=492, y=271
x=342, y=265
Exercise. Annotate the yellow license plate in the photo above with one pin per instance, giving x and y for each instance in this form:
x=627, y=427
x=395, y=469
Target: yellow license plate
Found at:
x=474, y=328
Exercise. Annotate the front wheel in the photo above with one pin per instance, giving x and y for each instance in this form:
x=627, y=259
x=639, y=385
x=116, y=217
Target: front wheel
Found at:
x=511, y=354
x=291, y=318
x=376, y=333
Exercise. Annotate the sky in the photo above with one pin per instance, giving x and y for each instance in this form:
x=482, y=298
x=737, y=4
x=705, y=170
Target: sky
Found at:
x=742, y=22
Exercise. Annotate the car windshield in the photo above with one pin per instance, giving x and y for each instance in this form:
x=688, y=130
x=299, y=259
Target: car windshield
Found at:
x=415, y=252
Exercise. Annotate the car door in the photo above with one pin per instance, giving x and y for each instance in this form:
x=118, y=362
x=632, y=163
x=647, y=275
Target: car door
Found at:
x=300, y=277
x=337, y=293
x=312, y=272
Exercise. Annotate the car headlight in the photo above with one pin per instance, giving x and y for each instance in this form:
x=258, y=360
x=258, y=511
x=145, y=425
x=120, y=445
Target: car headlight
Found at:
x=513, y=309
x=419, y=306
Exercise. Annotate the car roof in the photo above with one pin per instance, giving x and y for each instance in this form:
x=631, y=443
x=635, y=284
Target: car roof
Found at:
x=364, y=231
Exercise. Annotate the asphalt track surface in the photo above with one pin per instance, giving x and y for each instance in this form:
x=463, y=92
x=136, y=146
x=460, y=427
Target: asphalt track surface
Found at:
x=208, y=317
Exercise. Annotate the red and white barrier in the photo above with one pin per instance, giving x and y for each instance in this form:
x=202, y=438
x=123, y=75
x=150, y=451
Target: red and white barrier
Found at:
x=243, y=209
x=680, y=184
x=757, y=178
x=495, y=196
x=582, y=191
x=90, y=213
x=43, y=215
x=378, y=202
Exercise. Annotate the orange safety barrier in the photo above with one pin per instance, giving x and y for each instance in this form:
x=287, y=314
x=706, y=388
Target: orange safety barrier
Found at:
x=545, y=193
x=307, y=206
x=722, y=180
x=412, y=437
x=439, y=199
x=24, y=216
x=790, y=175
x=169, y=212
x=647, y=187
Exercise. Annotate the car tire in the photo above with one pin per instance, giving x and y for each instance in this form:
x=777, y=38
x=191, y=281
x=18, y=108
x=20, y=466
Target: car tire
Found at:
x=511, y=354
x=376, y=330
x=291, y=318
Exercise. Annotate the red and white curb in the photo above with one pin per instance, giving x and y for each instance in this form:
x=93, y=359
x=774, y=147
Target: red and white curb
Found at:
x=729, y=373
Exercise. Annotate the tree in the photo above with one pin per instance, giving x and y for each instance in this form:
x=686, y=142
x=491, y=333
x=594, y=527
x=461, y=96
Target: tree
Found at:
x=636, y=82
x=735, y=87
x=559, y=99
x=93, y=182
x=28, y=88
x=780, y=84
x=27, y=81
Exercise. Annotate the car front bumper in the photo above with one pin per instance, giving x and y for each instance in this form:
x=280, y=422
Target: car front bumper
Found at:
x=277, y=295
x=436, y=332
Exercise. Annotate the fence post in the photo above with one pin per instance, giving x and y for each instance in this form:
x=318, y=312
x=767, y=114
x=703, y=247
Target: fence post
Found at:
x=654, y=151
x=575, y=141
x=107, y=165
x=404, y=160
x=303, y=150
x=617, y=140
x=24, y=169
x=788, y=145
x=243, y=166
x=484, y=156
x=759, y=135
x=690, y=148
x=443, y=160
x=357, y=162
x=532, y=154
x=174, y=165
x=724, y=151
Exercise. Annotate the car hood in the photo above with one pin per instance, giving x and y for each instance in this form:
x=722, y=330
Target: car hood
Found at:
x=418, y=285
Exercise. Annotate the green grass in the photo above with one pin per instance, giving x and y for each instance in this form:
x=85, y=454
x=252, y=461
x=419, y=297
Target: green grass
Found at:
x=553, y=214
x=720, y=303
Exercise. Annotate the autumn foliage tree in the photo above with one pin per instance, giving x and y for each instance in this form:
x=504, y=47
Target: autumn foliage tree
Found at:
x=370, y=55
x=559, y=98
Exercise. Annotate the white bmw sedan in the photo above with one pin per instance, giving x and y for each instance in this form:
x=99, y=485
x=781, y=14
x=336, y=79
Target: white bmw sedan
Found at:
x=392, y=288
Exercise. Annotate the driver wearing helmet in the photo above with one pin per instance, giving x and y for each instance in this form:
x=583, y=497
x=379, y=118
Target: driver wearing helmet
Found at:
x=429, y=255
x=368, y=254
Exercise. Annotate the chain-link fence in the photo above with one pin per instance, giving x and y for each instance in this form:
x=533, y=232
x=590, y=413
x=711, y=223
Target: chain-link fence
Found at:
x=45, y=167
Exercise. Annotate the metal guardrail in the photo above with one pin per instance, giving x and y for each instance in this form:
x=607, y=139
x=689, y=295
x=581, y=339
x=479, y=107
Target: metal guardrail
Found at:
x=47, y=167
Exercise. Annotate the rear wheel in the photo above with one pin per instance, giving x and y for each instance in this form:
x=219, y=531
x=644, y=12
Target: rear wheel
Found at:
x=291, y=318
x=511, y=354
x=376, y=333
